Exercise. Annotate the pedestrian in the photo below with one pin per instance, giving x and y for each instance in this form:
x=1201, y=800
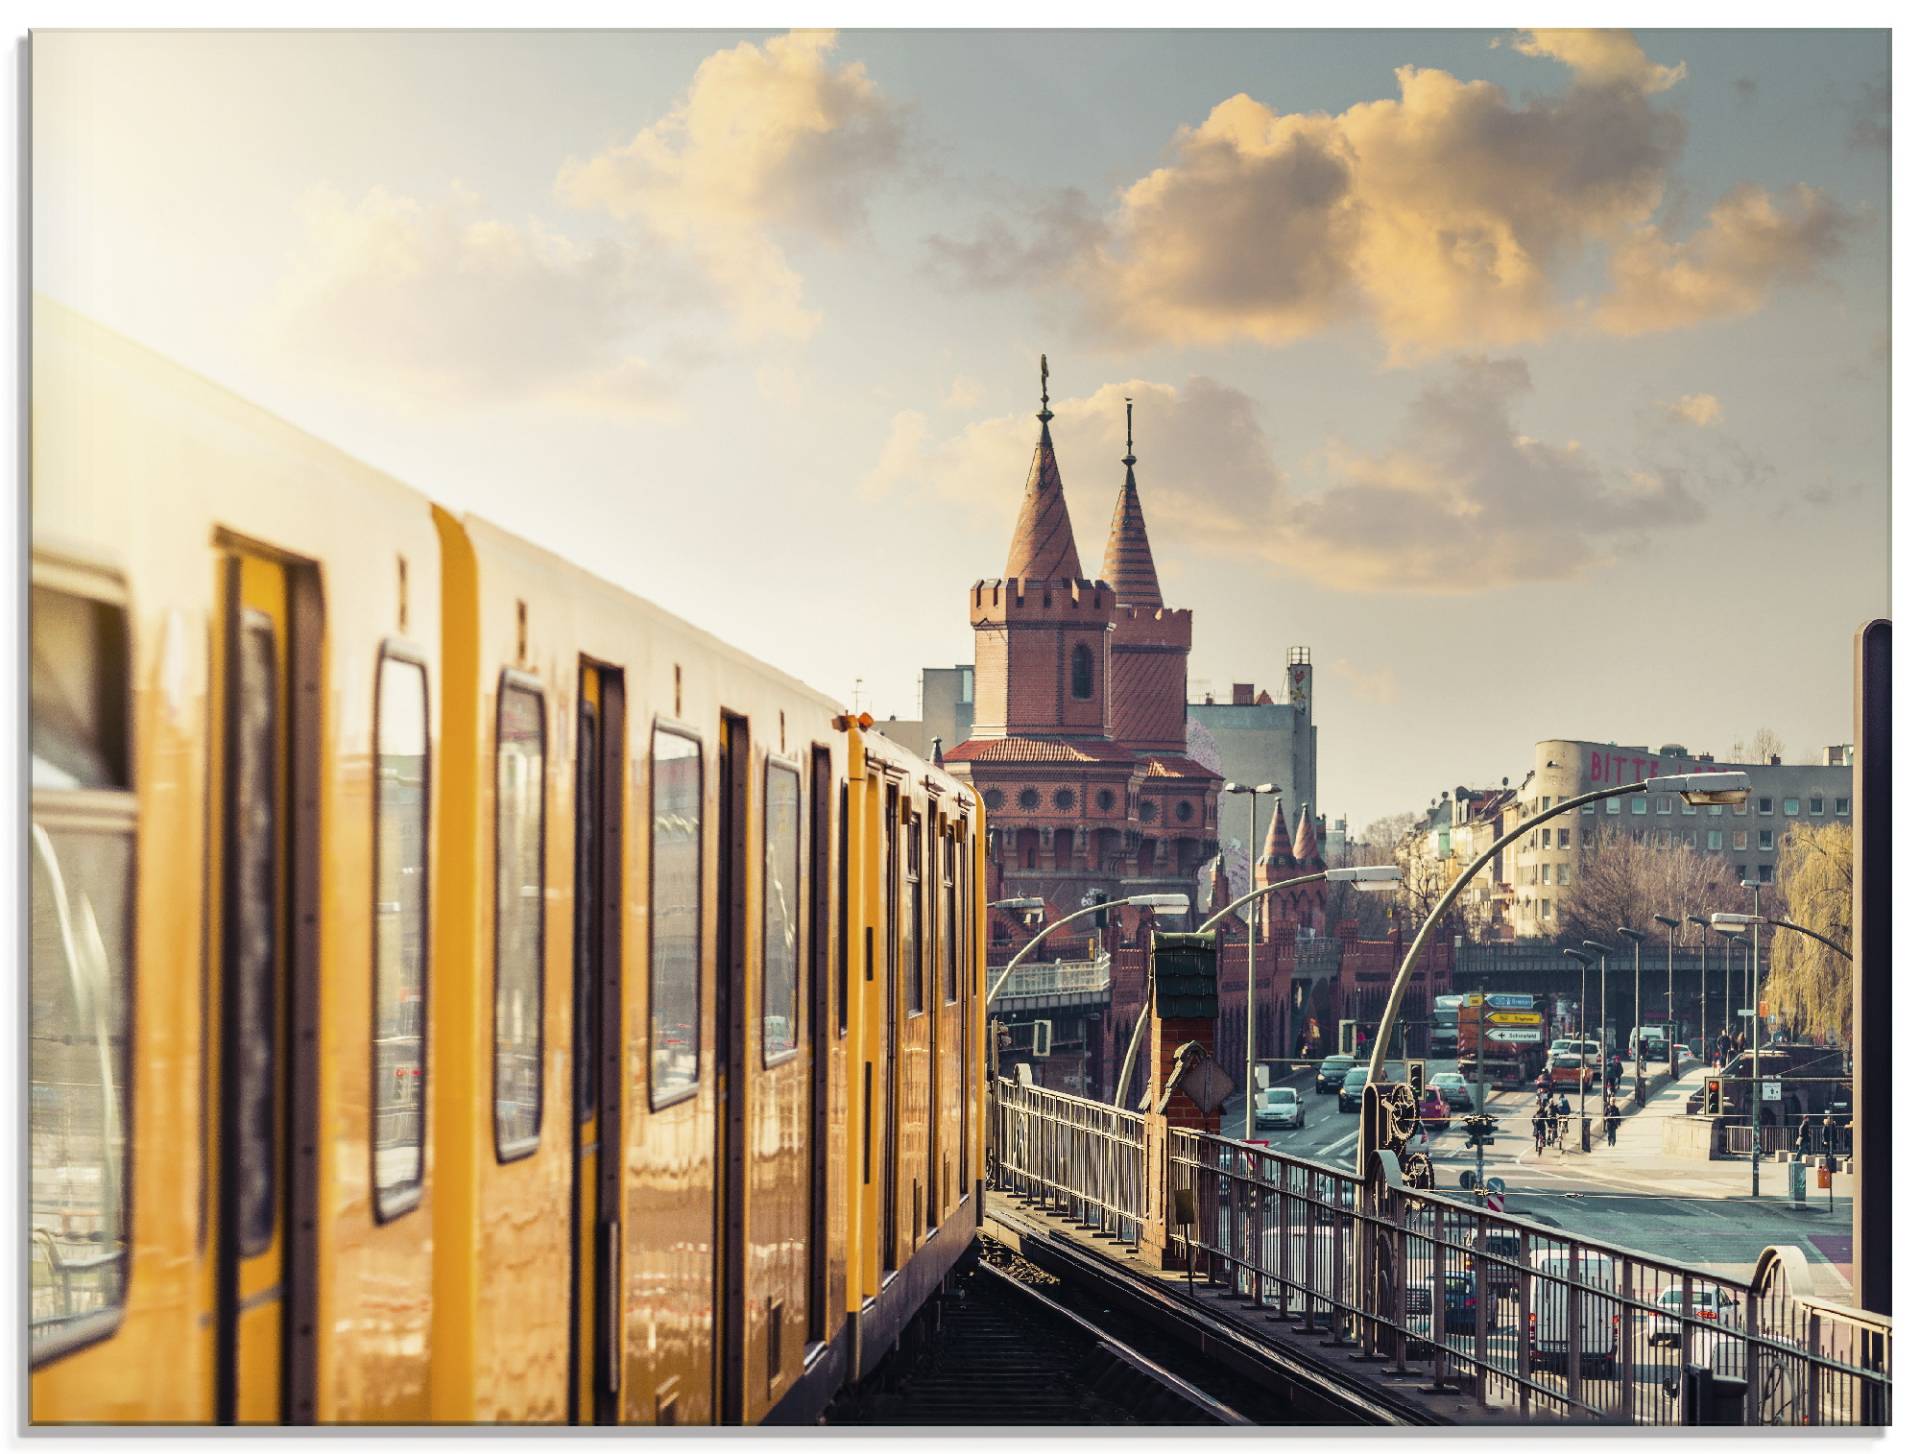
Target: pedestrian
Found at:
x=1828, y=1142
x=1612, y=1117
x=1803, y=1138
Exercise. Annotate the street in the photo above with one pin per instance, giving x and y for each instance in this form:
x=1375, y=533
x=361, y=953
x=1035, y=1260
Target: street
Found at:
x=1633, y=1194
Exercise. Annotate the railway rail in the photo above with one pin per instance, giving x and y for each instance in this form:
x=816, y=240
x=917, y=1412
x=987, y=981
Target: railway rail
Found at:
x=1002, y=1347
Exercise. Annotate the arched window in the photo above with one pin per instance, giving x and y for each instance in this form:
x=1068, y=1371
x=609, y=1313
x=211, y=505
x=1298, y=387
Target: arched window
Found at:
x=1082, y=673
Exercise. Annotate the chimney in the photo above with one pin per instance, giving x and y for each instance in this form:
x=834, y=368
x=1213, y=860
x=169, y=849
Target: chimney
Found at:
x=1243, y=694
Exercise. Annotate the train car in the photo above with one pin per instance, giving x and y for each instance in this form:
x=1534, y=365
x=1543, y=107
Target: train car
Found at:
x=460, y=991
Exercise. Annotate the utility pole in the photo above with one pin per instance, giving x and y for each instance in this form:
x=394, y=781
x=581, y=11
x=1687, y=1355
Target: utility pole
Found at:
x=1639, y=1041
x=1479, y=1092
x=1673, y=1028
x=1753, y=1049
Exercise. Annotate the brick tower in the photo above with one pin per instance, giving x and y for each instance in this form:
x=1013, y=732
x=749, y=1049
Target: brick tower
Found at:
x=1078, y=742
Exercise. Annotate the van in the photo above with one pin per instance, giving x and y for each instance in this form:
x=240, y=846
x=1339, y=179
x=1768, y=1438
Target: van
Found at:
x=1547, y=1313
x=1655, y=1039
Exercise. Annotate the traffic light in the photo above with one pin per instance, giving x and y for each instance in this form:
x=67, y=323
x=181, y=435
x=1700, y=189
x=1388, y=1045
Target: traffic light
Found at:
x=1417, y=1078
x=1714, y=1102
x=1479, y=1129
x=1042, y=1039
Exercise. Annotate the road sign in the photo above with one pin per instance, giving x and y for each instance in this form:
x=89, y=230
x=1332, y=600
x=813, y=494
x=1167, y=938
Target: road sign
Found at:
x=1497, y=1186
x=1510, y=1002
x=1747, y=1014
x=1468, y=1179
x=1513, y=1017
x=1769, y=1090
x=1765, y=1013
x=1506, y=1035
x=1496, y=1202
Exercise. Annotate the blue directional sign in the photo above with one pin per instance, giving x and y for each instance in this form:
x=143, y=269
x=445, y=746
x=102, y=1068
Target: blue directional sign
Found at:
x=1510, y=1002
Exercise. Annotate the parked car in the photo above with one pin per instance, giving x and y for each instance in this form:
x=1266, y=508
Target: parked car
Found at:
x=1332, y=1071
x=1280, y=1106
x=1711, y=1303
x=1454, y=1087
x=1503, y=1259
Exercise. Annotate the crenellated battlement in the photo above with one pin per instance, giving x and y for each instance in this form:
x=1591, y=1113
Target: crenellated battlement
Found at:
x=1161, y=627
x=1063, y=602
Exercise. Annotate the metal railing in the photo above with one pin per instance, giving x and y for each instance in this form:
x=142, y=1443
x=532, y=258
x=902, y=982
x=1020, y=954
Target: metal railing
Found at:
x=1530, y=1321
x=1739, y=1138
x=1063, y=977
x=1074, y=1156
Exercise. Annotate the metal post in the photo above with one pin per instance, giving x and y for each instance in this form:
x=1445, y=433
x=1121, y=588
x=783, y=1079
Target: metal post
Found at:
x=1753, y=1053
x=1253, y=827
x=1873, y=1023
x=1479, y=1097
x=1673, y=1027
x=1639, y=1044
x=1583, y=1047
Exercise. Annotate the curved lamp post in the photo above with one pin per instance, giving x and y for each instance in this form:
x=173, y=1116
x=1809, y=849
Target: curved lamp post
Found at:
x=1696, y=787
x=1601, y=950
x=1706, y=949
x=1385, y=875
x=1253, y=793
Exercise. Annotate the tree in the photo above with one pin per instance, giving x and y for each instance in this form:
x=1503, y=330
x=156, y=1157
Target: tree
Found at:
x=1810, y=986
x=1762, y=748
x=1624, y=881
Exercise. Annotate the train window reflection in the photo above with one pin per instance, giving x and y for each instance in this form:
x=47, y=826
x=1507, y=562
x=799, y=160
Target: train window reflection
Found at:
x=780, y=954
x=80, y=850
x=519, y=918
x=399, y=933
x=674, y=953
x=916, y=970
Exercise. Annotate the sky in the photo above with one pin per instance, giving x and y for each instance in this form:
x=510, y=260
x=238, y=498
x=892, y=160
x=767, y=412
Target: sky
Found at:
x=1536, y=381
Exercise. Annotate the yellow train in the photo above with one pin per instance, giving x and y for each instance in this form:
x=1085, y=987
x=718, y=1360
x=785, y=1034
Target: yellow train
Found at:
x=460, y=991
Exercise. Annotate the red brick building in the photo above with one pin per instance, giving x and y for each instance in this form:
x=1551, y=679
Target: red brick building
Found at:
x=1079, y=732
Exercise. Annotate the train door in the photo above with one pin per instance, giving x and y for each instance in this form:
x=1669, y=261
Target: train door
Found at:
x=730, y=996
x=890, y=1078
x=263, y=1000
x=599, y=797
x=819, y=1011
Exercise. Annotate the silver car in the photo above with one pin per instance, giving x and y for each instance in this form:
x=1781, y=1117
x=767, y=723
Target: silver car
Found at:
x=1280, y=1106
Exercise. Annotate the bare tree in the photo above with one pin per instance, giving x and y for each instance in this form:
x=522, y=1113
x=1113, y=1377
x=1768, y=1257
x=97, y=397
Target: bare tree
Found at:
x=1765, y=744
x=1624, y=881
x=1810, y=984
x=1368, y=912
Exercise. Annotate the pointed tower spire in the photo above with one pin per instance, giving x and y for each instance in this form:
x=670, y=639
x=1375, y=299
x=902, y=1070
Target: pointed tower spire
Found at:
x=1276, y=859
x=1043, y=548
x=1306, y=842
x=1129, y=564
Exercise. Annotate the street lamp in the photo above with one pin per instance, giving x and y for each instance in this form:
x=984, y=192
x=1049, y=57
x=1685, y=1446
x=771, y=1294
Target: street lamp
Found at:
x=1695, y=787
x=1639, y=1040
x=1601, y=950
x=1730, y=932
x=1735, y=923
x=1705, y=951
x=1586, y=960
x=1253, y=831
x=1797, y=928
x=1673, y=1026
x=1018, y=904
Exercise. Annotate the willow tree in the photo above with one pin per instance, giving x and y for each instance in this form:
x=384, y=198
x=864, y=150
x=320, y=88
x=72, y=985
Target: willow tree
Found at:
x=1810, y=986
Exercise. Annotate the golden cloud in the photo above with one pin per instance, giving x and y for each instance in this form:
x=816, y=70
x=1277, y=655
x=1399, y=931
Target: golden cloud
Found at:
x=1449, y=216
x=766, y=137
x=457, y=306
x=1697, y=409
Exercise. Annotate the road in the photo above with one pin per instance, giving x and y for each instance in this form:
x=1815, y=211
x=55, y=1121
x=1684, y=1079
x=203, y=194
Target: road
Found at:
x=1633, y=1194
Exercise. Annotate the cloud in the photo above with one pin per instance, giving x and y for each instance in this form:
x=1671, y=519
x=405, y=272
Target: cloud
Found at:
x=1462, y=501
x=1601, y=57
x=459, y=306
x=1871, y=117
x=1699, y=409
x=1449, y=216
x=767, y=140
x=1465, y=502
x=964, y=394
x=1380, y=688
x=1749, y=243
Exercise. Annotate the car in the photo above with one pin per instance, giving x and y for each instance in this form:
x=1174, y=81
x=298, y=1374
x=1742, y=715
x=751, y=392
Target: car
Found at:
x=1458, y=1318
x=1503, y=1259
x=1434, y=1114
x=1332, y=1071
x=1454, y=1087
x=1711, y=1303
x=1566, y=1071
x=1549, y=1317
x=1682, y=1054
x=1280, y=1106
x=1353, y=1088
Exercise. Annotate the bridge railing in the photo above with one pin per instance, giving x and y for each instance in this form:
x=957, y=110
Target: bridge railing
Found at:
x=1073, y=1156
x=1063, y=977
x=1531, y=1320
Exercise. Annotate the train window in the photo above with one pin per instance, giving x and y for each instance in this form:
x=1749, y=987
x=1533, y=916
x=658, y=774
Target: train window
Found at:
x=916, y=941
x=780, y=916
x=251, y=937
x=399, y=933
x=519, y=917
x=673, y=992
x=953, y=918
x=80, y=966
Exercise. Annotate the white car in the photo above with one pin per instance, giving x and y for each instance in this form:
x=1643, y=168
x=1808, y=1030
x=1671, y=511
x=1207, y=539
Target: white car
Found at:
x=1280, y=1106
x=1682, y=1054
